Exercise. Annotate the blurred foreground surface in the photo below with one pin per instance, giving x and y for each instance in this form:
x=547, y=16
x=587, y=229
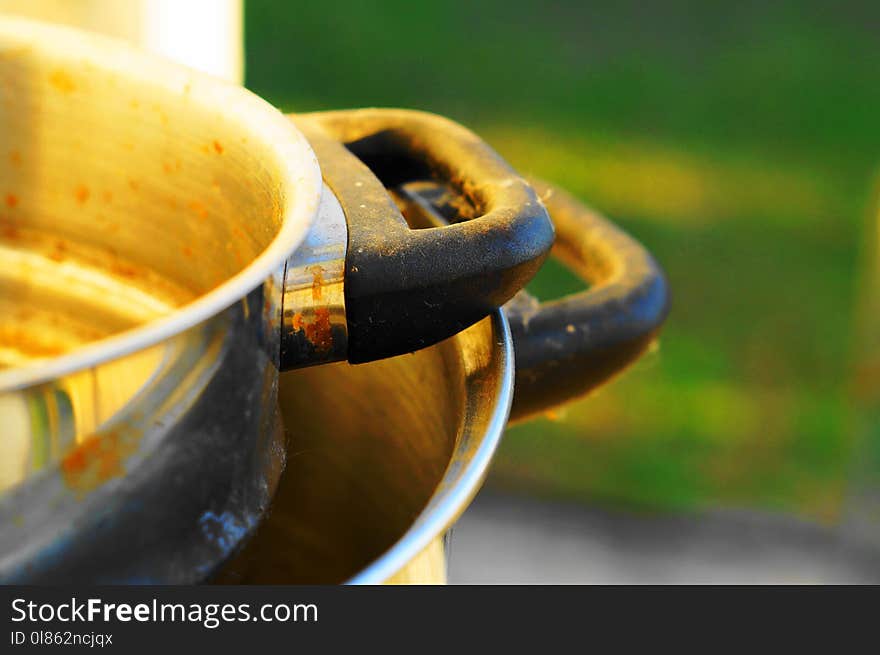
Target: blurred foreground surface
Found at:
x=514, y=540
x=738, y=141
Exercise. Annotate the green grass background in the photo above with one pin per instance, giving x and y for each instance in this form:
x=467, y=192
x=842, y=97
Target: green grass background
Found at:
x=738, y=141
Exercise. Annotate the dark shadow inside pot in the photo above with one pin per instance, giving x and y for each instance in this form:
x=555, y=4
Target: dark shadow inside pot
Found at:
x=367, y=447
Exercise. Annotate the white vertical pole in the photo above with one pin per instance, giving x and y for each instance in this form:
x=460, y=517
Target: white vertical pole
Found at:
x=203, y=34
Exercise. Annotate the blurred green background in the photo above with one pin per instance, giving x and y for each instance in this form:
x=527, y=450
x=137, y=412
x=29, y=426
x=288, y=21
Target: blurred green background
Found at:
x=738, y=141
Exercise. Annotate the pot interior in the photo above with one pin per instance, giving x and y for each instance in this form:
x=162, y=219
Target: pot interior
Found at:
x=381, y=458
x=126, y=190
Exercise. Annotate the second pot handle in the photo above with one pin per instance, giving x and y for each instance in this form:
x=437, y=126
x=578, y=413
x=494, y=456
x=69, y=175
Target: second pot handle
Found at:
x=565, y=348
x=406, y=289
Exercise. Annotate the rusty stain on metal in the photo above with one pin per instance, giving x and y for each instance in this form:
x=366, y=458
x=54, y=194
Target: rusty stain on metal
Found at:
x=24, y=341
x=320, y=333
x=124, y=270
x=60, y=251
x=9, y=231
x=97, y=459
x=199, y=209
x=297, y=322
x=81, y=193
x=317, y=281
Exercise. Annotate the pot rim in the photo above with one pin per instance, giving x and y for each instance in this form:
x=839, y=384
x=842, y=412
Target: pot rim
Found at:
x=462, y=479
x=299, y=178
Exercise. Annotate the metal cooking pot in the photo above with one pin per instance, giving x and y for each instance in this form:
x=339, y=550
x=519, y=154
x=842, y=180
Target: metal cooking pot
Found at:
x=167, y=247
x=384, y=457
x=166, y=263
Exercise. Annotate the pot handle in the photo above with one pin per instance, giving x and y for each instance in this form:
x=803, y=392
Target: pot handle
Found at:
x=406, y=289
x=565, y=348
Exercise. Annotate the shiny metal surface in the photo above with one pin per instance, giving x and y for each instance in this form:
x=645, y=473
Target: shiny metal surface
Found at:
x=146, y=215
x=383, y=457
x=170, y=481
x=314, y=329
x=487, y=359
x=131, y=187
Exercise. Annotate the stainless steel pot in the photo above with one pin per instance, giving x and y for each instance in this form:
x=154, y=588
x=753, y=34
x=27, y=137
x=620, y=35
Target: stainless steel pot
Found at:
x=385, y=456
x=167, y=246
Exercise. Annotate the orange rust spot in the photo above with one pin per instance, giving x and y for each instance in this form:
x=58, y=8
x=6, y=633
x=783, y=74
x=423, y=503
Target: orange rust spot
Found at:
x=81, y=193
x=124, y=270
x=166, y=166
x=23, y=341
x=15, y=158
x=62, y=81
x=317, y=282
x=60, y=252
x=107, y=196
x=10, y=232
x=97, y=459
x=319, y=332
x=11, y=200
x=199, y=209
x=218, y=147
x=133, y=184
x=187, y=251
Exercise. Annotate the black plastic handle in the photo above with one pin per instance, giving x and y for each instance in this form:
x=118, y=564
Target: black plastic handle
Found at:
x=406, y=289
x=566, y=347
